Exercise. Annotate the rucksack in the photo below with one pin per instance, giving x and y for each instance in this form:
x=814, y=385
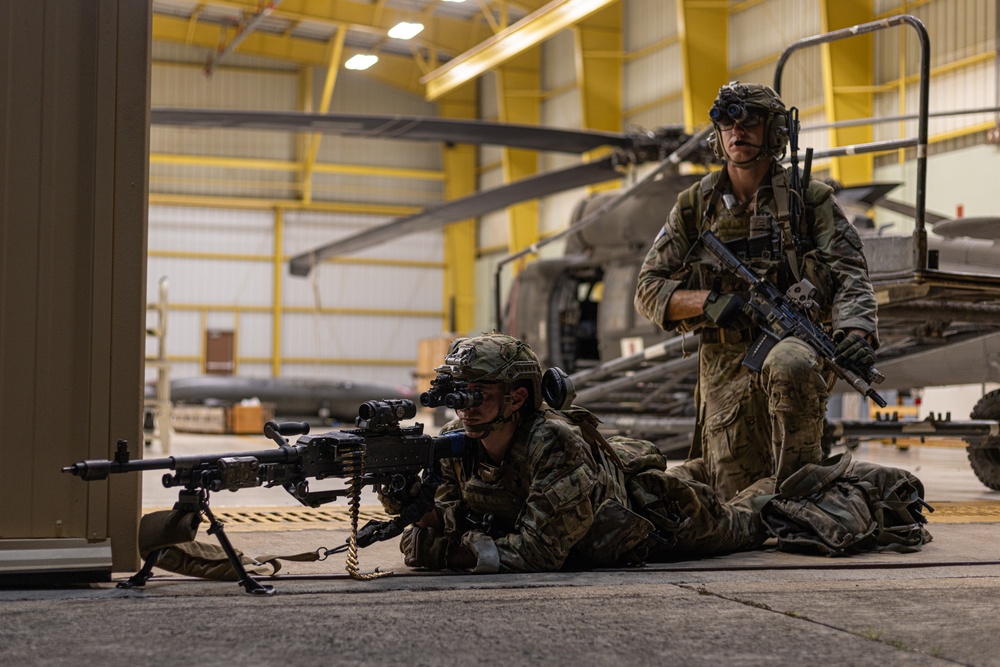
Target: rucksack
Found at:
x=840, y=507
x=169, y=537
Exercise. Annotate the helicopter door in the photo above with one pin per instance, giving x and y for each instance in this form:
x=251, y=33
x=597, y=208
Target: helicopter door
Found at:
x=574, y=307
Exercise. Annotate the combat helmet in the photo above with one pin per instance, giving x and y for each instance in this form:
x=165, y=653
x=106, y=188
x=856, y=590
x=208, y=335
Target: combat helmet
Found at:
x=495, y=357
x=734, y=103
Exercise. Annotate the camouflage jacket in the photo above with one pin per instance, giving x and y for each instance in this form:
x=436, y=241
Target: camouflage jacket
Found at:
x=555, y=501
x=835, y=264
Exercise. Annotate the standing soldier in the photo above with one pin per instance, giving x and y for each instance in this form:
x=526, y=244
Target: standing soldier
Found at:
x=755, y=426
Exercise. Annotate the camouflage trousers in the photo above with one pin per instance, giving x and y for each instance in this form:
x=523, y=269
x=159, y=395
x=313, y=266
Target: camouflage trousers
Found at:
x=691, y=520
x=756, y=426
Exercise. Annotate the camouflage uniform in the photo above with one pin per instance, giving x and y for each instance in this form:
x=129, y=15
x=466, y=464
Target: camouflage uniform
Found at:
x=757, y=425
x=560, y=501
x=536, y=511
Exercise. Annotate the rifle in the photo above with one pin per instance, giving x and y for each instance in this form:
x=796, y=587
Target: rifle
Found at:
x=783, y=315
x=379, y=452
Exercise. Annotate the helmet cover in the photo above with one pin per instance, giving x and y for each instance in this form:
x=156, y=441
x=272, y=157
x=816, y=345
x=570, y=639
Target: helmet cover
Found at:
x=494, y=357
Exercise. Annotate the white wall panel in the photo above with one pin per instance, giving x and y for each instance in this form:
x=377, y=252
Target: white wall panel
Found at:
x=493, y=229
x=648, y=21
x=210, y=230
x=763, y=30
x=562, y=110
x=558, y=62
x=653, y=76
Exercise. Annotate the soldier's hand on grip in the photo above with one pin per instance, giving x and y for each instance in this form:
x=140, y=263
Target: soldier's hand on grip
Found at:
x=729, y=311
x=853, y=350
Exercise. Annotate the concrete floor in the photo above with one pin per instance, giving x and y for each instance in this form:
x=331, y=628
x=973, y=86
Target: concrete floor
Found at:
x=935, y=607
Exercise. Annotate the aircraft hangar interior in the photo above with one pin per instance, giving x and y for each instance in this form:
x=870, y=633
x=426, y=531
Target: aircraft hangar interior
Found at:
x=281, y=209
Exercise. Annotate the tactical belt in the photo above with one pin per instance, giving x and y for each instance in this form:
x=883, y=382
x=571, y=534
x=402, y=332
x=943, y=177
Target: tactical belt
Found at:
x=714, y=335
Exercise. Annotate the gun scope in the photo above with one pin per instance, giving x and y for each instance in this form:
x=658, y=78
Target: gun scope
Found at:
x=387, y=412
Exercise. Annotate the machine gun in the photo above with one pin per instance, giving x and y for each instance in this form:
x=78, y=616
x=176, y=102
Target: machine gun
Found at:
x=379, y=452
x=783, y=315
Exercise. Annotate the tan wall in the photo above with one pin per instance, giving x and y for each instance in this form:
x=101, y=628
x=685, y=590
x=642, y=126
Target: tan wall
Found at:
x=73, y=192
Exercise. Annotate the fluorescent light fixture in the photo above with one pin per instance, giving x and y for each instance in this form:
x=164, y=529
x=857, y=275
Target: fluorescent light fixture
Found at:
x=361, y=61
x=454, y=0
x=404, y=30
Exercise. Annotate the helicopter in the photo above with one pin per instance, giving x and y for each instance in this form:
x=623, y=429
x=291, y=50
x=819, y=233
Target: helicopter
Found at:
x=939, y=293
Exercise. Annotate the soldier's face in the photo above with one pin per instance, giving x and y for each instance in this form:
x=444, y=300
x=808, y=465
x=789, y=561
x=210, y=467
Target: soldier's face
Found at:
x=743, y=140
x=476, y=419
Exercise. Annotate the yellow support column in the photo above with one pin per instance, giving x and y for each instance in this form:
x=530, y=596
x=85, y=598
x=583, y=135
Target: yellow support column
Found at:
x=333, y=68
x=518, y=97
x=599, y=57
x=847, y=80
x=459, y=237
x=703, y=29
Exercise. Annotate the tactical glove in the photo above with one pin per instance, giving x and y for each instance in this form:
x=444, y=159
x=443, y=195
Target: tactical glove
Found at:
x=853, y=351
x=425, y=547
x=729, y=311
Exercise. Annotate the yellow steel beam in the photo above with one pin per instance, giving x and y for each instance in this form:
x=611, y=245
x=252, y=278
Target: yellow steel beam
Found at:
x=599, y=57
x=264, y=164
x=306, y=310
x=518, y=99
x=848, y=63
x=448, y=35
x=529, y=32
x=459, y=237
x=249, y=257
x=704, y=35
x=332, y=68
x=397, y=71
x=258, y=203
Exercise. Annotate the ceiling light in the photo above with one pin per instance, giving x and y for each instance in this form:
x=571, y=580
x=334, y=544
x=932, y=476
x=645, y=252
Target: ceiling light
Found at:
x=404, y=30
x=361, y=61
x=454, y=0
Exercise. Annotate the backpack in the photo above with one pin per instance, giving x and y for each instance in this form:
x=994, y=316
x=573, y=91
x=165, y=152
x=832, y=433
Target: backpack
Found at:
x=168, y=537
x=840, y=507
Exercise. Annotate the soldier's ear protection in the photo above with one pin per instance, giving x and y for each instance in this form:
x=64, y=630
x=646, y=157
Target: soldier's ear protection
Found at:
x=557, y=389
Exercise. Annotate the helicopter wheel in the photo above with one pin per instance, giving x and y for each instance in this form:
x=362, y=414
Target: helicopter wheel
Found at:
x=986, y=461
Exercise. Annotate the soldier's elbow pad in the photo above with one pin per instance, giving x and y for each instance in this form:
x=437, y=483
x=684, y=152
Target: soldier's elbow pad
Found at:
x=485, y=550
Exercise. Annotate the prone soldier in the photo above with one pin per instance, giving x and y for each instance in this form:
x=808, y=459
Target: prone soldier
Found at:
x=538, y=489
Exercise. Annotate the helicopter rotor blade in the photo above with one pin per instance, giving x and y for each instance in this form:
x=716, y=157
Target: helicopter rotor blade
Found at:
x=908, y=210
x=459, y=209
x=455, y=131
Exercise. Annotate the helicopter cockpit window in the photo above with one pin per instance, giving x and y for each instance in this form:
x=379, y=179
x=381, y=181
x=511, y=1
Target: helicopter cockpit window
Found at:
x=579, y=299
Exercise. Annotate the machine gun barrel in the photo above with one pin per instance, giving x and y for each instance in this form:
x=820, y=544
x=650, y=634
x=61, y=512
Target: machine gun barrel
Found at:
x=780, y=318
x=379, y=452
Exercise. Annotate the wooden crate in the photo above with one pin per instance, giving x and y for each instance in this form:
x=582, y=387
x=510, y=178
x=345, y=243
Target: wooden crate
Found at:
x=430, y=354
x=248, y=419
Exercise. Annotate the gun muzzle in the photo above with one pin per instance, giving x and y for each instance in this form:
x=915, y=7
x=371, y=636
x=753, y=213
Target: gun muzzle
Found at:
x=90, y=471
